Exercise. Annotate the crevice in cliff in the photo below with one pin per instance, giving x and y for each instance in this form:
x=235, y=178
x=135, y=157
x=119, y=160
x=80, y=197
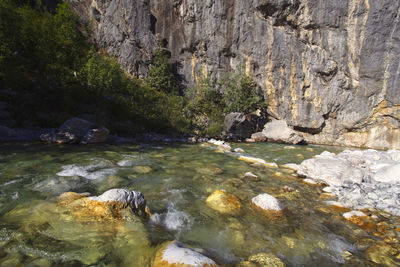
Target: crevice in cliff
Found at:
x=279, y=13
x=310, y=130
x=153, y=23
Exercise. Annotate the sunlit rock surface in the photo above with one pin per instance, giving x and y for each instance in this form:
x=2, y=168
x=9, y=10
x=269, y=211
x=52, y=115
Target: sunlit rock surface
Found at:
x=360, y=179
x=179, y=255
x=268, y=204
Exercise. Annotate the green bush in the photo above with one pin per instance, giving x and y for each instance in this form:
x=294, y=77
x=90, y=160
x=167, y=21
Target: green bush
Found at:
x=239, y=93
x=161, y=75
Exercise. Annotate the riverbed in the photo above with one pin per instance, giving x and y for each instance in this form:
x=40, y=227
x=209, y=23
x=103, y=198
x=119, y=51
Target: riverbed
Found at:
x=176, y=179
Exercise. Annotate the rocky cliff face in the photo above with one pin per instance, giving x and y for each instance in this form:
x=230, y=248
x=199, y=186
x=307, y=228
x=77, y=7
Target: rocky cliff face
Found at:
x=329, y=68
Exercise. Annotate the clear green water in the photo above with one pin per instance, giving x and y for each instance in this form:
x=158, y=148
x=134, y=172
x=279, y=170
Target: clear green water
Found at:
x=176, y=180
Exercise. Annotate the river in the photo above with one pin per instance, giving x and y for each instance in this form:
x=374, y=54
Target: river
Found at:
x=175, y=179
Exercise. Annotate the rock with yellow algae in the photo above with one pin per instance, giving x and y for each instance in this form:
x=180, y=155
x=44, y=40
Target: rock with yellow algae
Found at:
x=381, y=254
x=113, y=204
x=262, y=259
x=224, y=202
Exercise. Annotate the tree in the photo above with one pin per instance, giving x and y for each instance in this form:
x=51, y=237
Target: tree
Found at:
x=239, y=93
x=161, y=76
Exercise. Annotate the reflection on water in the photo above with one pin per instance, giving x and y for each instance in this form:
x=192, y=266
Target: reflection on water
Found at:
x=176, y=179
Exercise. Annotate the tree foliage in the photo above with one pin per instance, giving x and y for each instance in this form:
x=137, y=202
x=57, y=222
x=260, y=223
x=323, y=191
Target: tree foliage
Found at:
x=239, y=93
x=161, y=74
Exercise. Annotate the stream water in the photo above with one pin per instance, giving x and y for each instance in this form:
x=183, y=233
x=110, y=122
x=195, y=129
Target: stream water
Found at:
x=176, y=179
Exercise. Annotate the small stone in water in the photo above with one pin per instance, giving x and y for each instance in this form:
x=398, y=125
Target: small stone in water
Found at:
x=310, y=181
x=238, y=150
x=252, y=176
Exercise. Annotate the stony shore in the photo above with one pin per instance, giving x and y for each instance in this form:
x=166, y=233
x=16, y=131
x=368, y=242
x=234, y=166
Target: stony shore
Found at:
x=367, y=179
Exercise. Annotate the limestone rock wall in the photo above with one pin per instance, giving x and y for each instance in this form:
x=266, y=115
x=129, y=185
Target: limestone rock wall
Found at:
x=329, y=68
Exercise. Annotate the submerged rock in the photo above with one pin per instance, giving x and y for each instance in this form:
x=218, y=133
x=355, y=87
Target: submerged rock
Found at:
x=209, y=170
x=262, y=259
x=179, y=255
x=381, y=254
x=142, y=169
x=279, y=132
x=58, y=185
x=224, y=202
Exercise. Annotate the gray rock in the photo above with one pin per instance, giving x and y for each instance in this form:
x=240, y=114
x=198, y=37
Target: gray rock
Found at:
x=76, y=129
x=259, y=137
x=388, y=174
x=96, y=136
x=331, y=171
x=237, y=125
x=58, y=138
x=133, y=199
x=279, y=132
x=267, y=202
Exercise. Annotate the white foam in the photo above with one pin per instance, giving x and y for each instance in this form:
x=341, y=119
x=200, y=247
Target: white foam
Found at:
x=173, y=219
x=125, y=163
x=91, y=172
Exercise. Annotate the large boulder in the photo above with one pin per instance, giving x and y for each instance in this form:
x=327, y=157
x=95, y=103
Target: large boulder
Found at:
x=236, y=125
x=179, y=255
x=279, y=132
x=76, y=126
x=332, y=170
x=77, y=130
